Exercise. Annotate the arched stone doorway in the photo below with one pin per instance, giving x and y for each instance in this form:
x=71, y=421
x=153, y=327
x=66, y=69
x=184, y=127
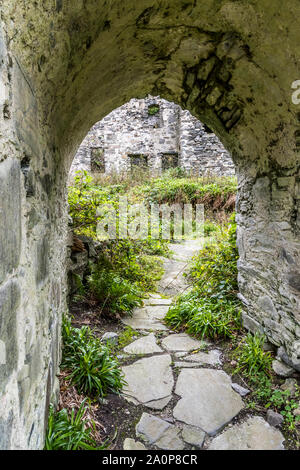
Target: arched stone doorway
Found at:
x=66, y=65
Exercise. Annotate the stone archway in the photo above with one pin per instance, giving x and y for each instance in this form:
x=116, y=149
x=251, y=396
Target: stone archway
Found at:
x=63, y=66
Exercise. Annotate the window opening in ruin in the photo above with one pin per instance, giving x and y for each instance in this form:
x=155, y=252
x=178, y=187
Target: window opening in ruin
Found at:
x=169, y=160
x=97, y=160
x=153, y=109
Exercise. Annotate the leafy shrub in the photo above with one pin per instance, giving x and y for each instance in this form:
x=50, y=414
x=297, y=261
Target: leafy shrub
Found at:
x=204, y=317
x=251, y=356
x=209, y=228
x=117, y=295
x=69, y=431
x=92, y=369
x=134, y=261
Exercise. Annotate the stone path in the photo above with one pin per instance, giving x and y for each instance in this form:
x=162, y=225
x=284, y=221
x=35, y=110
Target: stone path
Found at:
x=192, y=402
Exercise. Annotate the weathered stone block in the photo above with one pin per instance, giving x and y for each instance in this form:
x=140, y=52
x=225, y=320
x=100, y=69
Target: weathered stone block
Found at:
x=42, y=260
x=9, y=302
x=6, y=426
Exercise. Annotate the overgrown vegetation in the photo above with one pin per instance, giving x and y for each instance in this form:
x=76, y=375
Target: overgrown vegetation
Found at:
x=211, y=307
x=70, y=431
x=267, y=394
x=175, y=186
x=91, y=367
x=127, y=269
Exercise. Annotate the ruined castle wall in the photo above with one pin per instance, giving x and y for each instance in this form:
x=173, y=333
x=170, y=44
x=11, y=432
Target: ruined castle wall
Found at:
x=201, y=152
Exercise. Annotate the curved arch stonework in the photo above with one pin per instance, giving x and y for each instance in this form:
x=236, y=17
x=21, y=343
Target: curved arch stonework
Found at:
x=65, y=65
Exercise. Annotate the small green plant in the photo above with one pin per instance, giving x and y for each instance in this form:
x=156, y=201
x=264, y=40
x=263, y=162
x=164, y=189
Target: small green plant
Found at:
x=92, y=368
x=251, y=357
x=262, y=386
x=70, y=431
x=285, y=403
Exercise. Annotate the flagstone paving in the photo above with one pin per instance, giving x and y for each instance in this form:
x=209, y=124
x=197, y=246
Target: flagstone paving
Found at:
x=192, y=402
x=150, y=381
x=207, y=399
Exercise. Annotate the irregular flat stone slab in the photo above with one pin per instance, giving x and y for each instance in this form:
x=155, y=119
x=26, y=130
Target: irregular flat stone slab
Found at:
x=182, y=342
x=254, y=434
x=185, y=250
x=281, y=369
x=155, y=296
x=170, y=440
x=147, y=318
x=291, y=385
x=156, y=431
x=131, y=444
x=149, y=380
x=208, y=401
x=158, y=404
x=145, y=345
x=212, y=358
x=150, y=428
x=193, y=436
x=157, y=312
x=180, y=354
x=173, y=282
x=144, y=324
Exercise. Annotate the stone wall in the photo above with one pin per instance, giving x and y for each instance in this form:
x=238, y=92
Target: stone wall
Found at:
x=65, y=65
x=170, y=133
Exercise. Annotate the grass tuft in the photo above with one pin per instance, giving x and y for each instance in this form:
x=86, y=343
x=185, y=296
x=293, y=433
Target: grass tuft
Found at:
x=92, y=368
